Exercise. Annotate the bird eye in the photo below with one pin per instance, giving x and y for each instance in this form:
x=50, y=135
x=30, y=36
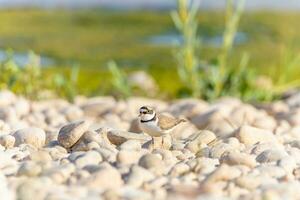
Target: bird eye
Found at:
x=144, y=112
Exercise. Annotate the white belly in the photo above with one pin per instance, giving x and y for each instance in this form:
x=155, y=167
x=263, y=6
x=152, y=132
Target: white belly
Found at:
x=152, y=129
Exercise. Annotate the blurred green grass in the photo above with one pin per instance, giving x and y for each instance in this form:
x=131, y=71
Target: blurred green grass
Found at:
x=91, y=38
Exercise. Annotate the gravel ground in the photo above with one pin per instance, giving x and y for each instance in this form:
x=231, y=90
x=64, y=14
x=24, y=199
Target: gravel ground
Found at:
x=94, y=149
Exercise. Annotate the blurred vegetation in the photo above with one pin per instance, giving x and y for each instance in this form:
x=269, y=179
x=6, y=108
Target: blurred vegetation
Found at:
x=211, y=80
x=232, y=18
x=288, y=65
x=185, y=20
x=28, y=80
x=66, y=86
x=268, y=59
x=119, y=80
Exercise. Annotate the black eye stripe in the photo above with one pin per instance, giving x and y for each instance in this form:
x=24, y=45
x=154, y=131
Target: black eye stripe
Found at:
x=145, y=110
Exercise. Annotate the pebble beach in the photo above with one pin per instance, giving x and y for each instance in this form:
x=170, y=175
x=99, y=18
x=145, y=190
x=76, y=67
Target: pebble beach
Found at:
x=94, y=149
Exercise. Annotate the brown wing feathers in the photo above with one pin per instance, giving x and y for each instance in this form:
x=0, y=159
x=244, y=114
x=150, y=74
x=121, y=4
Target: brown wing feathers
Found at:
x=167, y=122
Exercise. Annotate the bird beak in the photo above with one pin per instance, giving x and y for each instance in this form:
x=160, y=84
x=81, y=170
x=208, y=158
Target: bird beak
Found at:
x=140, y=114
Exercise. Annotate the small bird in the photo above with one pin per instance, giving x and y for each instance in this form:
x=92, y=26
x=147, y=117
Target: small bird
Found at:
x=157, y=125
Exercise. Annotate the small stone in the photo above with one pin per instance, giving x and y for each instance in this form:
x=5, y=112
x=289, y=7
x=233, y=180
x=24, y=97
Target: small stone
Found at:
x=56, y=155
x=167, y=157
x=138, y=175
x=151, y=162
x=59, y=174
x=186, y=155
x=160, y=193
x=6, y=98
x=265, y=122
x=5, y=191
x=236, y=158
x=260, y=147
x=88, y=158
x=74, y=155
x=200, y=139
x=71, y=133
x=93, y=146
x=234, y=142
x=271, y=194
x=135, y=193
x=222, y=173
x=178, y=145
x=184, y=130
x=248, y=182
x=250, y=135
x=33, y=188
x=9, y=115
x=293, y=117
x=92, y=136
x=221, y=127
x=131, y=145
x=22, y=107
x=295, y=143
x=111, y=194
x=108, y=154
x=128, y=157
x=79, y=146
x=97, y=106
x=187, y=107
x=41, y=157
x=33, y=136
x=156, y=183
x=118, y=137
x=7, y=141
x=271, y=171
x=114, y=121
x=243, y=114
x=8, y=165
x=30, y=169
x=217, y=150
x=88, y=141
x=295, y=153
x=51, y=137
x=204, y=152
x=179, y=169
x=270, y=155
x=81, y=174
x=18, y=155
x=3, y=126
x=203, y=119
x=203, y=165
x=296, y=173
x=135, y=126
x=105, y=178
x=73, y=113
x=288, y=163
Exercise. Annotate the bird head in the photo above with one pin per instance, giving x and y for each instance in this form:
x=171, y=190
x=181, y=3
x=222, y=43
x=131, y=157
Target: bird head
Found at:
x=146, y=113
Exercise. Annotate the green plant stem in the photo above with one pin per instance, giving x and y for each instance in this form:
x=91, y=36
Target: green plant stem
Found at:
x=185, y=20
x=231, y=19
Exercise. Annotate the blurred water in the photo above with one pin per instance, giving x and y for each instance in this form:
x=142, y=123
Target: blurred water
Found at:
x=148, y=4
x=173, y=39
x=22, y=59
